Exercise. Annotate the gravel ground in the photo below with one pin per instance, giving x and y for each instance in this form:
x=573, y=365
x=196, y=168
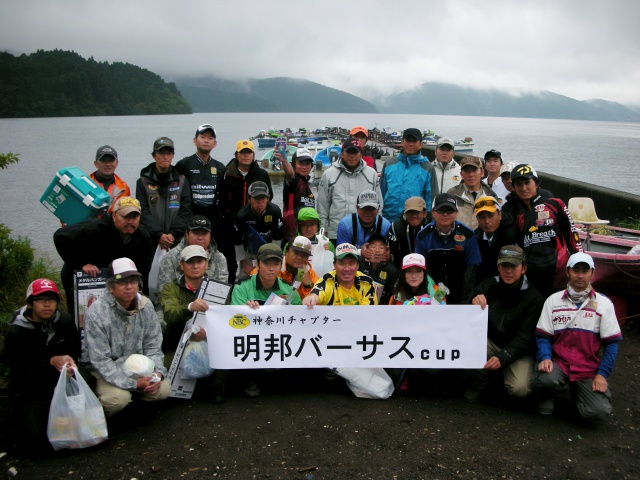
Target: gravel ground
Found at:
x=303, y=427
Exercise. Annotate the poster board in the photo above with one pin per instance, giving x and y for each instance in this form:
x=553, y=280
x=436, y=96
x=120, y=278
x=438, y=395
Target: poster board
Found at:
x=86, y=291
x=214, y=293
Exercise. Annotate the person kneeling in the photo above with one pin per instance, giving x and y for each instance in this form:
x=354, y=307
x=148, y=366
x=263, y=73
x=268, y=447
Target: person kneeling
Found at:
x=514, y=307
x=120, y=323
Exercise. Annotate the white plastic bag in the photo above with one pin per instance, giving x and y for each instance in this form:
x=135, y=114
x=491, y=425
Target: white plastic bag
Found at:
x=321, y=258
x=367, y=382
x=76, y=418
x=195, y=361
x=138, y=366
x=154, y=294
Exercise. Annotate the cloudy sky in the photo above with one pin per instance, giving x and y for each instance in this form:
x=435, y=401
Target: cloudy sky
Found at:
x=580, y=48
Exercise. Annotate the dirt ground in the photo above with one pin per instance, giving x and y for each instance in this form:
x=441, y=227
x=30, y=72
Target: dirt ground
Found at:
x=304, y=427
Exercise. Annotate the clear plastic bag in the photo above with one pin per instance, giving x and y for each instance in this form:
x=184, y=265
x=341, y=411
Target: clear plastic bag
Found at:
x=76, y=418
x=154, y=294
x=321, y=258
x=367, y=382
x=195, y=361
x=137, y=366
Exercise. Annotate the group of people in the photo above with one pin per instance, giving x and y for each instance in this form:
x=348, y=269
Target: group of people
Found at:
x=477, y=232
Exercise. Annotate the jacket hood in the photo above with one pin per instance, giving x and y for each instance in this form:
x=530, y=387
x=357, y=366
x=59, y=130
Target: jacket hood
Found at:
x=416, y=159
x=21, y=320
x=339, y=164
x=233, y=170
x=141, y=301
x=151, y=173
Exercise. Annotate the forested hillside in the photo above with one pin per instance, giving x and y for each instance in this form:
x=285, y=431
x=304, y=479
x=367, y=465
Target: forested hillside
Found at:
x=61, y=84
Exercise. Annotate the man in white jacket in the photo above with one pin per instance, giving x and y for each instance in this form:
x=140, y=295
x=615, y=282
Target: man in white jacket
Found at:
x=341, y=184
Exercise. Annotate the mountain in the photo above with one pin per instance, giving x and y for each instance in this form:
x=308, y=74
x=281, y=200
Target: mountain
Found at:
x=446, y=99
x=60, y=84
x=280, y=94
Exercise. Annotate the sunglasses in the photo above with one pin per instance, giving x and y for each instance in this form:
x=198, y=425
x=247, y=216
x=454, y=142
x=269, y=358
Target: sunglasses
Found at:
x=445, y=211
x=486, y=203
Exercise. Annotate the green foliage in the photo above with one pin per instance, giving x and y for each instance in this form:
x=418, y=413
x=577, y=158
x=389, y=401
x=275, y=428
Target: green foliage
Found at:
x=7, y=159
x=630, y=222
x=59, y=83
x=16, y=259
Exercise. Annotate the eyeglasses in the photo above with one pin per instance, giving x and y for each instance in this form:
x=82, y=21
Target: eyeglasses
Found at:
x=485, y=203
x=445, y=211
x=46, y=300
x=127, y=280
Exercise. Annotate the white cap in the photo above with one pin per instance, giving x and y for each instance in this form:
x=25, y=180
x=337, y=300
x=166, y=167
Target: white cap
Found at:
x=580, y=257
x=191, y=251
x=414, y=260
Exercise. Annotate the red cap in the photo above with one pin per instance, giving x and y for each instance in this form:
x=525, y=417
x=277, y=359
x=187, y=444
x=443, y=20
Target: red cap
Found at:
x=40, y=286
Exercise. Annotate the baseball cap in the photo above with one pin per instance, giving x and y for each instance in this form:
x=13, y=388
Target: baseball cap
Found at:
x=470, y=161
x=42, y=286
x=302, y=154
x=345, y=249
x=122, y=268
x=523, y=170
x=268, y=251
x=445, y=141
x=199, y=222
x=204, y=128
x=486, y=204
x=412, y=132
x=191, y=251
x=244, y=144
x=507, y=168
x=492, y=153
x=352, y=143
x=445, y=200
x=301, y=244
x=414, y=260
x=511, y=254
x=580, y=257
x=414, y=203
x=368, y=198
x=163, y=142
x=359, y=129
x=258, y=189
x=126, y=205
x=106, y=150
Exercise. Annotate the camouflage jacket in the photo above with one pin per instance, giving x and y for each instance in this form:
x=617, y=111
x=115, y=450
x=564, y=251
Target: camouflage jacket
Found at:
x=112, y=333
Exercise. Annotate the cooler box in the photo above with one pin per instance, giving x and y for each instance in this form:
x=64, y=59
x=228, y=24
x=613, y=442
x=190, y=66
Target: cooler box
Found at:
x=72, y=196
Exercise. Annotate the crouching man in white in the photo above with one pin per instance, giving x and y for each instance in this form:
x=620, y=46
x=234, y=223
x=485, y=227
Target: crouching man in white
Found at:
x=573, y=327
x=120, y=323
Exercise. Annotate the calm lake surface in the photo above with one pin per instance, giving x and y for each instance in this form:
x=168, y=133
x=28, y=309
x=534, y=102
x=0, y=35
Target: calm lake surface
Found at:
x=602, y=153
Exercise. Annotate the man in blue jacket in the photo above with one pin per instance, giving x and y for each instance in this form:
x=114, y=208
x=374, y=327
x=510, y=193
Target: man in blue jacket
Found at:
x=409, y=174
x=356, y=228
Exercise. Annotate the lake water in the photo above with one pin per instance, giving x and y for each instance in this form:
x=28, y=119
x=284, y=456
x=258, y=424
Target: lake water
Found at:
x=603, y=153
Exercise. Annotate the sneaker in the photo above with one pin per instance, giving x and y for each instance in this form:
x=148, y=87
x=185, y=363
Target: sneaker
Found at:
x=330, y=375
x=252, y=389
x=472, y=395
x=546, y=407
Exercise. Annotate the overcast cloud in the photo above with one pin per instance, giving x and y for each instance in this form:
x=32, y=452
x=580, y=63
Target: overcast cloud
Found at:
x=580, y=48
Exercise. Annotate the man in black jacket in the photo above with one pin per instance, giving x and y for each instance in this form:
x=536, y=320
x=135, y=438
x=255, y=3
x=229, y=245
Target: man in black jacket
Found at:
x=94, y=244
x=402, y=234
x=164, y=196
x=514, y=310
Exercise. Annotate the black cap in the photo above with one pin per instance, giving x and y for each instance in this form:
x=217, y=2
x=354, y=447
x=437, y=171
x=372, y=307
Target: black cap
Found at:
x=258, y=189
x=524, y=170
x=199, y=222
x=493, y=153
x=352, y=143
x=204, y=128
x=445, y=200
x=412, y=132
x=106, y=150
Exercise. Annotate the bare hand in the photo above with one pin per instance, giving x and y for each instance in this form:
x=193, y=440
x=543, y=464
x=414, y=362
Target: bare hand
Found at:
x=311, y=300
x=492, y=364
x=198, y=305
x=145, y=384
x=480, y=300
x=199, y=336
x=90, y=270
x=545, y=366
x=599, y=384
x=253, y=304
x=60, y=361
x=166, y=241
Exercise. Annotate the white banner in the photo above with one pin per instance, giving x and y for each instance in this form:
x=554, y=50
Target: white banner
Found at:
x=365, y=336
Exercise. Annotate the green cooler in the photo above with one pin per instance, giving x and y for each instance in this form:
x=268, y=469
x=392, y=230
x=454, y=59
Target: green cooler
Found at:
x=72, y=196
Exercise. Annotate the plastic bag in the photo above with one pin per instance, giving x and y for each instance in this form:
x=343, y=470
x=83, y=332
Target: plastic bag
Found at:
x=195, y=361
x=154, y=294
x=321, y=258
x=76, y=418
x=367, y=382
x=138, y=365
